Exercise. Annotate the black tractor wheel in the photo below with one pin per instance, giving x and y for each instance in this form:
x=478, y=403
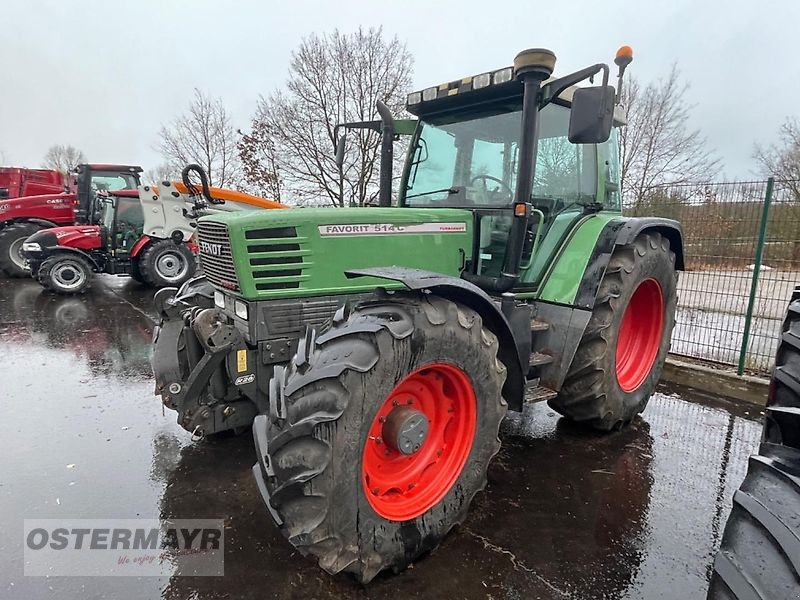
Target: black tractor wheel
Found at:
x=380, y=432
x=620, y=358
x=12, y=263
x=760, y=552
x=136, y=273
x=65, y=273
x=166, y=264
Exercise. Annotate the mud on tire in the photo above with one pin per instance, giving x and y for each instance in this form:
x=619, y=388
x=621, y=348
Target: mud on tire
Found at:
x=312, y=444
x=760, y=552
x=11, y=238
x=591, y=392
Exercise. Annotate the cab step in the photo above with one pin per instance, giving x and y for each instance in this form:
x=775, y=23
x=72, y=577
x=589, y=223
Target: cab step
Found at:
x=539, y=359
x=539, y=393
x=539, y=326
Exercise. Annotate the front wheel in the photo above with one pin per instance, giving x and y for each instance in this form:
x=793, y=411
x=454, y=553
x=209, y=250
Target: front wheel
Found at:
x=65, y=274
x=12, y=263
x=380, y=432
x=620, y=357
x=166, y=264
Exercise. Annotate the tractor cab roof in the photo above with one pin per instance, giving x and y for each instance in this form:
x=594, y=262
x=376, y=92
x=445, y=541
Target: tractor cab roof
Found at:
x=495, y=91
x=109, y=167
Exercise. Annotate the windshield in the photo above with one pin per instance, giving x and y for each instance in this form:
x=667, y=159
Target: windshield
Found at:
x=111, y=182
x=474, y=162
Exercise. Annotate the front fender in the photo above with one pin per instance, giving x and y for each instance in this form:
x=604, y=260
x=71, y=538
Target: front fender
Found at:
x=463, y=292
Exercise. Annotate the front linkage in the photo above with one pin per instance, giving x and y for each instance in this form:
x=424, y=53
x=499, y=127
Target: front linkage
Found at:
x=197, y=354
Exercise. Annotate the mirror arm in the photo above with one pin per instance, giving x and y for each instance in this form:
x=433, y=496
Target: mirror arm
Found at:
x=553, y=89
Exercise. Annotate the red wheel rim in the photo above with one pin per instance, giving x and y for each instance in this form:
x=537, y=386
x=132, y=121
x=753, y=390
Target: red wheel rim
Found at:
x=640, y=335
x=402, y=486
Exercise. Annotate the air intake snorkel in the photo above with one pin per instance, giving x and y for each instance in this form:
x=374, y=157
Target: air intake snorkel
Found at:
x=531, y=67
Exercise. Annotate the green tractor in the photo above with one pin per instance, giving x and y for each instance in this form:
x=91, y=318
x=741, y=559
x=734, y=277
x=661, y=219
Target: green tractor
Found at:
x=376, y=350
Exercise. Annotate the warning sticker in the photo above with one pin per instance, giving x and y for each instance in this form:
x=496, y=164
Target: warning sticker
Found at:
x=241, y=360
x=390, y=228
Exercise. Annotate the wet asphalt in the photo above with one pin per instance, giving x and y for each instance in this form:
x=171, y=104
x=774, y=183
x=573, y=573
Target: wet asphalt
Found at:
x=566, y=514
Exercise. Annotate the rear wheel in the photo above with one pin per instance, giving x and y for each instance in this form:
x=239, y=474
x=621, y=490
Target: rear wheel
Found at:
x=380, y=432
x=65, y=274
x=136, y=273
x=620, y=358
x=165, y=263
x=12, y=263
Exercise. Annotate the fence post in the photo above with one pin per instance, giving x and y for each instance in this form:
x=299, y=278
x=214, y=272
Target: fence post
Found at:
x=762, y=233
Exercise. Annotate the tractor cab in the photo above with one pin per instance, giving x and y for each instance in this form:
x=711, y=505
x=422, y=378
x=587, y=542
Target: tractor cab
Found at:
x=121, y=220
x=465, y=154
x=94, y=178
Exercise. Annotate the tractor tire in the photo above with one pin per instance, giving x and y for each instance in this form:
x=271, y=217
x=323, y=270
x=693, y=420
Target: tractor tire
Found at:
x=760, y=552
x=360, y=464
x=166, y=264
x=11, y=239
x=65, y=273
x=136, y=273
x=620, y=357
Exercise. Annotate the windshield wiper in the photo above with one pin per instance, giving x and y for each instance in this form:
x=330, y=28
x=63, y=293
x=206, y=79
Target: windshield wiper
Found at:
x=450, y=191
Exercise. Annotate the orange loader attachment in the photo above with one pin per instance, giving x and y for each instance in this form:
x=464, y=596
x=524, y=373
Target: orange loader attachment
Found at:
x=233, y=196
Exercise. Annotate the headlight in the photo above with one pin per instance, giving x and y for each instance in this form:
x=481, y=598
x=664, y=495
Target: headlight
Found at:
x=429, y=94
x=219, y=299
x=240, y=308
x=481, y=81
x=31, y=247
x=503, y=75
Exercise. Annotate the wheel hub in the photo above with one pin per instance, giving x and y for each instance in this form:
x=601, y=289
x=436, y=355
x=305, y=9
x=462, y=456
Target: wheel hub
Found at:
x=405, y=430
x=171, y=266
x=419, y=441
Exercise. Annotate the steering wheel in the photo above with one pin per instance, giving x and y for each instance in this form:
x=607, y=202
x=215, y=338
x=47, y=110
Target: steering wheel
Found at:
x=502, y=183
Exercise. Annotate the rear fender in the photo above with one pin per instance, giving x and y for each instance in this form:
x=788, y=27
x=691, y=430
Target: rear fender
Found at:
x=463, y=292
x=139, y=245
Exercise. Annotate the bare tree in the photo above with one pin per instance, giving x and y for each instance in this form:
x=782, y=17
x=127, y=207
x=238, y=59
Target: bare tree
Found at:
x=659, y=146
x=203, y=135
x=159, y=173
x=782, y=160
x=258, y=153
x=63, y=157
x=333, y=79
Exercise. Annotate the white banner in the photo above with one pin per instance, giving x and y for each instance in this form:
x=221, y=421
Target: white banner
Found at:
x=124, y=547
x=390, y=228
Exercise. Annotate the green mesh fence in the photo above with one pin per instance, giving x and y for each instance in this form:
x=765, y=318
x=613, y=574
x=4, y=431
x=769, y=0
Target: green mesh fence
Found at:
x=726, y=294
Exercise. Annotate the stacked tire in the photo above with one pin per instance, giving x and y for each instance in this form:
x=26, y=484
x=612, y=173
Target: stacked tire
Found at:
x=760, y=553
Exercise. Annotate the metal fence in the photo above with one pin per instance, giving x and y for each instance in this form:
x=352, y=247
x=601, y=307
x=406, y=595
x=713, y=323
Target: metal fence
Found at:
x=742, y=250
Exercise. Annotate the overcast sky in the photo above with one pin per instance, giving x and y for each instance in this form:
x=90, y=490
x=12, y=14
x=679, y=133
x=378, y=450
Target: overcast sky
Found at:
x=104, y=74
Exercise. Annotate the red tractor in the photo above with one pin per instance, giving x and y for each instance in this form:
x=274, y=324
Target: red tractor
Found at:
x=23, y=216
x=146, y=233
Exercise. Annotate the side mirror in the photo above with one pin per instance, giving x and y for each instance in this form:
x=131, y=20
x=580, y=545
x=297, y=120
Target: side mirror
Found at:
x=592, y=115
x=339, y=157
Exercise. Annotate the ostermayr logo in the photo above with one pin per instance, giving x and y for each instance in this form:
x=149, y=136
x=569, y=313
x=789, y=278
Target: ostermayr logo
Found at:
x=124, y=547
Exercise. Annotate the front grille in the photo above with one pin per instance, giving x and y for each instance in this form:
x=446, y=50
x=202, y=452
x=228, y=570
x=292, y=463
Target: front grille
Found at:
x=287, y=318
x=279, y=258
x=215, y=255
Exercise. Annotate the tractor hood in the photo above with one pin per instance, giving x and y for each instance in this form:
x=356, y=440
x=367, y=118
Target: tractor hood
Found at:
x=305, y=252
x=56, y=208
x=84, y=237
